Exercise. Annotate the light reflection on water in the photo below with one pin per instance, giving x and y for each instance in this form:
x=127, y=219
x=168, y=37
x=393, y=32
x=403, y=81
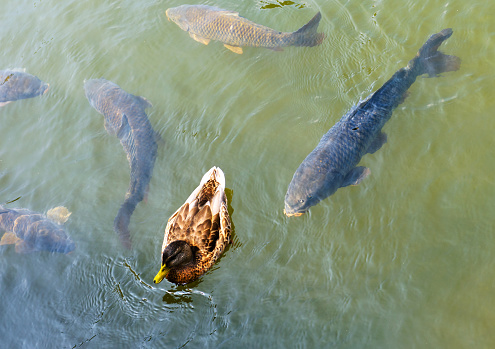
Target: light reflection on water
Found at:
x=404, y=259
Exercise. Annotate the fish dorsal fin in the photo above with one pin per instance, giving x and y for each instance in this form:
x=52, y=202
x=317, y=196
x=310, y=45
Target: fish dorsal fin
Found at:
x=223, y=11
x=230, y=13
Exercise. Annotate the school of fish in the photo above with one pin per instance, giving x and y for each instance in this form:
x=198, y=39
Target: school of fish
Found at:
x=199, y=231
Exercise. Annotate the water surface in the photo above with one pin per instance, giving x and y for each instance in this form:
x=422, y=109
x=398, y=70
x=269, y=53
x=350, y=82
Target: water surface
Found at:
x=405, y=259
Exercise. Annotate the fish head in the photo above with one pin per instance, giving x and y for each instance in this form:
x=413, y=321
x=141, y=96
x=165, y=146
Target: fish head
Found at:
x=94, y=89
x=185, y=15
x=45, y=235
x=308, y=187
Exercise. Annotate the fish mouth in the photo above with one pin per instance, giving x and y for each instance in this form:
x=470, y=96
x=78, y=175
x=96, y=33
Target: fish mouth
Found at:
x=295, y=214
x=166, y=14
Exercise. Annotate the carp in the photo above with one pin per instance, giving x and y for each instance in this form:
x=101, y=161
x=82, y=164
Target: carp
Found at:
x=32, y=231
x=125, y=118
x=333, y=163
x=15, y=85
x=205, y=23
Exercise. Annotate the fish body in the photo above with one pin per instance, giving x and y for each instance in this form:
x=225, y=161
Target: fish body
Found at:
x=205, y=23
x=32, y=231
x=125, y=118
x=333, y=163
x=15, y=85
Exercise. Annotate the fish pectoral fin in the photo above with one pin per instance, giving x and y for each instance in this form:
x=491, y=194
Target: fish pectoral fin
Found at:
x=23, y=247
x=378, y=142
x=9, y=238
x=4, y=103
x=235, y=49
x=355, y=176
x=124, y=129
x=199, y=38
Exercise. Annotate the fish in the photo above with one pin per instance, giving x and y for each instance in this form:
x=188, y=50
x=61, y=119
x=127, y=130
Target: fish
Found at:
x=32, y=231
x=333, y=163
x=205, y=23
x=125, y=117
x=15, y=85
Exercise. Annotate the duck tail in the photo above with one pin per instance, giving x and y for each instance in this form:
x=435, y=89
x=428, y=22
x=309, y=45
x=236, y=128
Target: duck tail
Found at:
x=307, y=35
x=212, y=189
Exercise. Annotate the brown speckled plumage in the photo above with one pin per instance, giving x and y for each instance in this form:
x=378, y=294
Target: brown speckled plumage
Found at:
x=204, y=223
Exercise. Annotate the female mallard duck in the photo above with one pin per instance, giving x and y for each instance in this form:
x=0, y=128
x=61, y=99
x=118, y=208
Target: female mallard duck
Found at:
x=197, y=233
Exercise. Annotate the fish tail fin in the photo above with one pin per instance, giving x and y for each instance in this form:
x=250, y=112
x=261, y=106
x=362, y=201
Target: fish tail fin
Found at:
x=121, y=223
x=432, y=62
x=307, y=35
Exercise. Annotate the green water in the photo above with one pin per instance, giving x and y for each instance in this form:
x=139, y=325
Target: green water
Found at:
x=404, y=260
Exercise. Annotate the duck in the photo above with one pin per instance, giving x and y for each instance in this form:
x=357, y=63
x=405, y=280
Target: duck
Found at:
x=197, y=233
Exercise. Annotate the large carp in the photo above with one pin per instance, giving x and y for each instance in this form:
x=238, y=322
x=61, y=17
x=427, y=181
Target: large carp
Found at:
x=32, y=231
x=333, y=163
x=125, y=118
x=205, y=23
x=16, y=85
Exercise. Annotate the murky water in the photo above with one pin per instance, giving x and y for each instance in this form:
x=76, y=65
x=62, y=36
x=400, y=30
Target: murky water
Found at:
x=404, y=260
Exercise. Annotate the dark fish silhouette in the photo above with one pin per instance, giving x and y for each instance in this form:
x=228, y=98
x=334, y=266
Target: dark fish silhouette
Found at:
x=32, y=231
x=333, y=163
x=16, y=85
x=205, y=23
x=125, y=118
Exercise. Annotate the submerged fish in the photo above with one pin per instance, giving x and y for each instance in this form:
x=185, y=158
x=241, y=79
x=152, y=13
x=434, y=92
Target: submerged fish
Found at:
x=205, y=23
x=16, y=85
x=333, y=163
x=125, y=118
x=31, y=231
